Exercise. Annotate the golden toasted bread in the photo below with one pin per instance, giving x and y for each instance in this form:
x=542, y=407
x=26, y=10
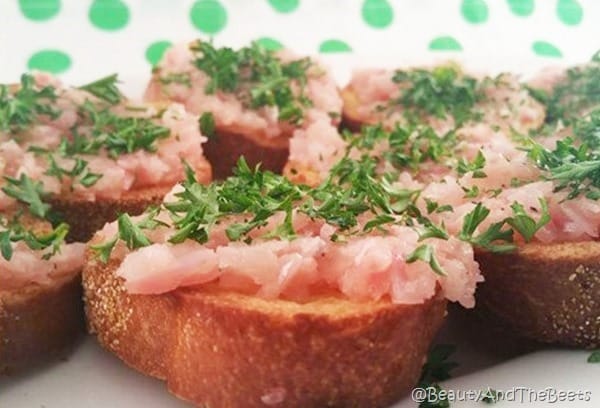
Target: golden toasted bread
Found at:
x=351, y=119
x=86, y=217
x=546, y=292
x=225, y=148
x=220, y=348
x=38, y=321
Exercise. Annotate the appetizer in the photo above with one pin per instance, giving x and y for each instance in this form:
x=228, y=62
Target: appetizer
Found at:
x=85, y=154
x=250, y=100
x=40, y=291
x=257, y=291
x=444, y=97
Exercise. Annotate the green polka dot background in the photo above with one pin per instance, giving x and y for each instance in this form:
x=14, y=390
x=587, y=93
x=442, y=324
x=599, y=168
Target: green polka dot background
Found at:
x=65, y=36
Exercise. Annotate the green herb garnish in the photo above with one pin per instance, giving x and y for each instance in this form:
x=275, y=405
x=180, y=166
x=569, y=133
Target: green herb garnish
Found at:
x=117, y=134
x=425, y=253
x=28, y=192
x=13, y=231
x=105, y=89
x=257, y=76
x=594, y=357
x=476, y=166
x=19, y=109
x=441, y=92
x=207, y=125
x=436, y=369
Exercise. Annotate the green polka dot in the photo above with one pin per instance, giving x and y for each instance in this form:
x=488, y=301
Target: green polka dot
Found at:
x=284, y=6
x=270, y=44
x=545, y=49
x=474, y=11
x=377, y=13
x=109, y=15
x=569, y=12
x=333, y=45
x=444, y=44
x=39, y=10
x=521, y=8
x=155, y=51
x=53, y=61
x=208, y=16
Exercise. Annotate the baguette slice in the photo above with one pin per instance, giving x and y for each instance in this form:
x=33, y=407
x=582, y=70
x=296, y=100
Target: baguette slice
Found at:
x=86, y=217
x=223, y=349
x=227, y=146
x=546, y=292
x=38, y=322
x=351, y=118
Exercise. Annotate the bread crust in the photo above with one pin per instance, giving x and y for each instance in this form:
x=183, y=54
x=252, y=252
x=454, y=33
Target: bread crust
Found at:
x=225, y=148
x=85, y=217
x=217, y=348
x=546, y=292
x=38, y=322
x=351, y=119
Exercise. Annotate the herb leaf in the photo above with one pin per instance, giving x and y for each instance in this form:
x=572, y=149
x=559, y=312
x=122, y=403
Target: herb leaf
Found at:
x=257, y=75
x=105, y=89
x=28, y=192
x=19, y=110
x=425, y=253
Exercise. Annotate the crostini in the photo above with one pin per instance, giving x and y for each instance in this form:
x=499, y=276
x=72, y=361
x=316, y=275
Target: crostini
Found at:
x=41, y=311
x=86, y=154
x=250, y=100
x=443, y=97
x=258, y=291
x=535, y=194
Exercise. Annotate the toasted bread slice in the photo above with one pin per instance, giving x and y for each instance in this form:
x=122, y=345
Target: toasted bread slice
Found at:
x=219, y=348
x=227, y=146
x=546, y=292
x=351, y=119
x=38, y=322
x=86, y=217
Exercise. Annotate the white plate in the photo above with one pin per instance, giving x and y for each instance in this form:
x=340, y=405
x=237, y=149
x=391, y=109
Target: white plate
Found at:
x=93, y=378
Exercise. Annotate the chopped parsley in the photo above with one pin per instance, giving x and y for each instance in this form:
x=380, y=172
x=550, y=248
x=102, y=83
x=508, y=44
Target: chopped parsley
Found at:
x=498, y=237
x=19, y=109
x=437, y=368
x=594, y=357
x=207, y=125
x=117, y=134
x=573, y=167
x=28, y=192
x=442, y=92
x=352, y=199
x=257, y=76
x=408, y=146
x=12, y=230
x=580, y=90
x=105, y=89
x=475, y=167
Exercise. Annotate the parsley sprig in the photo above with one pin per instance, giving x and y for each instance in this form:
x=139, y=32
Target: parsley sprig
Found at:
x=437, y=368
x=579, y=91
x=28, y=192
x=574, y=163
x=115, y=133
x=12, y=230
x=408, y=145
x=19, y=109
x=498, y=237
x=442, y=92
x=257, y=76
x=105, y=89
